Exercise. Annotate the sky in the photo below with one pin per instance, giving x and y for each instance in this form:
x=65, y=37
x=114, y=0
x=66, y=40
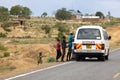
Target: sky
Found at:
x=51, y=6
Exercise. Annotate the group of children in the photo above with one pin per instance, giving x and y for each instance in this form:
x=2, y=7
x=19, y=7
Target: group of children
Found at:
x=62, y=46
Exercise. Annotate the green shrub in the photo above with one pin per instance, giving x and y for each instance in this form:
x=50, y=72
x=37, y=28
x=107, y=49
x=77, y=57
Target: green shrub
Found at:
x=24, y=28
x=3, y=48
x=60, y=35
x=62, y=27
x=8, y=30
x=2, y=35
x=46, y=28
x=1, y=56
x=6, y=54
x=6, y=26
x=51, y=59
x=108, y=24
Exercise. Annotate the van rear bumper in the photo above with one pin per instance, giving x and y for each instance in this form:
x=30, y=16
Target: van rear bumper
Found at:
x=90, y=53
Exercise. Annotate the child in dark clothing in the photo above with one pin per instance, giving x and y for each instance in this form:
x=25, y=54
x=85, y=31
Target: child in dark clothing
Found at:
x=40, y=58
x=58, y=49
x=63, y=48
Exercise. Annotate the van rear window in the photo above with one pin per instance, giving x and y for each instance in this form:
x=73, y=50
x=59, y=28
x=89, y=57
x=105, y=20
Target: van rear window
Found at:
x=88, y=33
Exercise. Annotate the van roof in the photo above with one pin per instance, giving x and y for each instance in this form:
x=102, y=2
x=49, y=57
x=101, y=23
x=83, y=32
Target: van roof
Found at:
x=91, y=26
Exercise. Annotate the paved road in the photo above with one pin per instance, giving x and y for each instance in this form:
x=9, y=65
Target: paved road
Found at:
x=83, y=70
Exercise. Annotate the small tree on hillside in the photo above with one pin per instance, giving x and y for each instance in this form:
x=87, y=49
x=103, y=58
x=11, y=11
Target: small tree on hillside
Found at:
x=20, y=11
x=26, y=12
x=100, y=14
x=16, y=10
x=4, y=14
x=78, y=11
x=6, y=25
x=63, y=14
x=44, y=14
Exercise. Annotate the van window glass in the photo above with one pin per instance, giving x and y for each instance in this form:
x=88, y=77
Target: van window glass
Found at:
x=88, y=33
x=105, y=35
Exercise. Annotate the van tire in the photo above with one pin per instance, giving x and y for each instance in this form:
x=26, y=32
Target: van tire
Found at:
x=106, y=57
x=103, y=58
x=82, y=58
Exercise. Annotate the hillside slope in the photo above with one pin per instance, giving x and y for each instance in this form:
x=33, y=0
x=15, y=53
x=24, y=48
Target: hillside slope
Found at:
x=114, y=32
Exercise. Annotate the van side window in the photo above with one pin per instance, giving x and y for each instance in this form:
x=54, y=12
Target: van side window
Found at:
x=105, y=35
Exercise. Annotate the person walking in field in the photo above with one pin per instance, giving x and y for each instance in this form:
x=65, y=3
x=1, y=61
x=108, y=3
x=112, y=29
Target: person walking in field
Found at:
x=58, y=49
x=70, y=40
x=63, y=48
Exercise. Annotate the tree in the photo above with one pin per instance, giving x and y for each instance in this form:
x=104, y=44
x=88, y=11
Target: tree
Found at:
x=44, y=14
x=20, y=11
x=63, y=14
x=26, y=11
x=4, y=14
x=100, y=14
x=78, y=11
x=109, y=14
x=16, y=10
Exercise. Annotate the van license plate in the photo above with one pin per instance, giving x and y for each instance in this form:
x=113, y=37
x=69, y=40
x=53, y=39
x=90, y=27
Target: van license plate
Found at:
x=88, y=46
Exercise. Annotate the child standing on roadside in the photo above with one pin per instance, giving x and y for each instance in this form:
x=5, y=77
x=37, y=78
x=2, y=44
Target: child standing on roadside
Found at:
x=58, y=49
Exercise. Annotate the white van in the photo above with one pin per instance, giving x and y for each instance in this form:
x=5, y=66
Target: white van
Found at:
x=91, y=41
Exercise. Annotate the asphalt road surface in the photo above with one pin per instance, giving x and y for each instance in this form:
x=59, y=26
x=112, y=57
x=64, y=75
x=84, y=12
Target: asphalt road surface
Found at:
x=90, y=69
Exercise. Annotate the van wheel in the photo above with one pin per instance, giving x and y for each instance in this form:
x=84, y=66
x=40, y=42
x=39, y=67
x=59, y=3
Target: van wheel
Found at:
x=103, y=58
x=106, y=57
x=82, y=58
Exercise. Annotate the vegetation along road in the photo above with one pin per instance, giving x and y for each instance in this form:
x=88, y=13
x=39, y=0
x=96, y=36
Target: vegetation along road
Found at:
x=90, y=69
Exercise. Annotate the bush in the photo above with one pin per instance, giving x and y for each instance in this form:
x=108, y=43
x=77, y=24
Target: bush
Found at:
x=3, y=48
x=51, y=59
x=2, y=35
x=5, y=26
x=108, y=24
x=62, y=28
x=60, y=35
x=6, y=54
x=8, y=30
x=46, y=28
x=1, y=56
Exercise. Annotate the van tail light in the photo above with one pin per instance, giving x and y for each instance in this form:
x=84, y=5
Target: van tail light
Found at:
x=100, y=46
x=77, y=46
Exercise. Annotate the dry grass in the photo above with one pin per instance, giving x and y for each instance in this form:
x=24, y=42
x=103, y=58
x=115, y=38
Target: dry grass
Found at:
x=114, y=31
x=25, y=57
